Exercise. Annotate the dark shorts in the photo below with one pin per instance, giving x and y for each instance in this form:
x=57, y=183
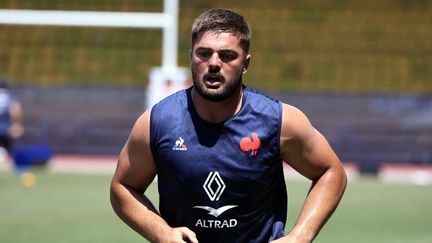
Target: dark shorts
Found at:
x=6, y=142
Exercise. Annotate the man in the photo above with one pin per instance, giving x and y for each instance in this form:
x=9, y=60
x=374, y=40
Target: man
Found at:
x=11, y=122
x=218, y=150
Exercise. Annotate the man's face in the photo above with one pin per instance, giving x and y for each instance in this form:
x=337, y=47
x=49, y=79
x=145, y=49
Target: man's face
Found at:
x=218, y=63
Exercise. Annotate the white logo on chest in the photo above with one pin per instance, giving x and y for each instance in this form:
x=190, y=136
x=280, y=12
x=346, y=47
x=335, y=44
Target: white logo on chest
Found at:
x=214, y=187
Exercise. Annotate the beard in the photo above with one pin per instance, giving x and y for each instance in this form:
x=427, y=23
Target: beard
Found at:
x=228, y=89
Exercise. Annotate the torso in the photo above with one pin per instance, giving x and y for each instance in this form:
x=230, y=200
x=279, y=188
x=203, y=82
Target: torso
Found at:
x=224, y=181
x=5, y=103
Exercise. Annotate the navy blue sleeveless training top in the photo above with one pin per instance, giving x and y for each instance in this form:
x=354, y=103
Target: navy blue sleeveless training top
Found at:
x=6, y=101
x=224, y=181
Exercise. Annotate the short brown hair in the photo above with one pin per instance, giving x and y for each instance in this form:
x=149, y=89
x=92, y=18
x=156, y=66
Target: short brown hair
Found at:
x=223, y=20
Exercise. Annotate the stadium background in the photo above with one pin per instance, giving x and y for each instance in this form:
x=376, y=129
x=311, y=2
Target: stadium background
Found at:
x=359, y=68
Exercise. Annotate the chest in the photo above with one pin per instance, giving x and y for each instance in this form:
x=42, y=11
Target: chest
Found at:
x=240, y=154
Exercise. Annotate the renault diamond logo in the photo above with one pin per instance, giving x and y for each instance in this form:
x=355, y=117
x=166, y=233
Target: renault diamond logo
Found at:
x=214, y=186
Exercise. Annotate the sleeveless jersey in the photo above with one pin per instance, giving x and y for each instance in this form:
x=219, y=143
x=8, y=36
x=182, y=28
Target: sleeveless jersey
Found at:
x=6, y=100
x=224, y=181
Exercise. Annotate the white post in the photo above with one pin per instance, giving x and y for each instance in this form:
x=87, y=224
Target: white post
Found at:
x=170, y=35
x=168, y=21
x=164, y=80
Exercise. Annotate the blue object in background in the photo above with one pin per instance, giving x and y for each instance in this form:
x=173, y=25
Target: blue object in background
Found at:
x=31, y=155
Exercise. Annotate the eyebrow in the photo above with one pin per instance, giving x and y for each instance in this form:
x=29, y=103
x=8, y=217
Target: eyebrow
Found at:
x=204, y=48
x=210, y=49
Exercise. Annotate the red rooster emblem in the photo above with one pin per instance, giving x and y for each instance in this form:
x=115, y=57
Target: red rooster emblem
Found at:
x=247, y=144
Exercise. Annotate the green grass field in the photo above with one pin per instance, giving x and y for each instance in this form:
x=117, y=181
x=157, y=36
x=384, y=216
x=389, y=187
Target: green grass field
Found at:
x=75, y=208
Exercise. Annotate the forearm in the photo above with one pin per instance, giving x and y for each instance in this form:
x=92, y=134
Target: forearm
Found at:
x=322, y=200
x=136, y=210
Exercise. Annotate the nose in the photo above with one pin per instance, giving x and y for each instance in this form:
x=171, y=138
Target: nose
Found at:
x=214, y=63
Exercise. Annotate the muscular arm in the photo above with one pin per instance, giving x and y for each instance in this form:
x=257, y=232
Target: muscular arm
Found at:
x=308, y=152
x=135, y=171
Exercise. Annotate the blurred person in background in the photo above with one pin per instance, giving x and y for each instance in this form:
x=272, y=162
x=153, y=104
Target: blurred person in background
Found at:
x=11, y=119
x=218, y=150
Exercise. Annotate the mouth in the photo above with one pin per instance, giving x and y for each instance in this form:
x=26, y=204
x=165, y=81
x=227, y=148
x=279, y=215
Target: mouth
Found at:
x=213, y=79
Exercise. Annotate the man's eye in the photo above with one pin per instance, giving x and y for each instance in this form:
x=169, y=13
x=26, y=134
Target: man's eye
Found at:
x=227, y=56
x=204, y=54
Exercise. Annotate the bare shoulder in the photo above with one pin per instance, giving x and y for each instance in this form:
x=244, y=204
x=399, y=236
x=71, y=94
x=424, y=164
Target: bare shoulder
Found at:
x=141, y=129
x=302, y=146
x=136, y=167
x=295, y=123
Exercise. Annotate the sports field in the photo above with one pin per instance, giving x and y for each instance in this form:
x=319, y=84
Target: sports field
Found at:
x=63, y=207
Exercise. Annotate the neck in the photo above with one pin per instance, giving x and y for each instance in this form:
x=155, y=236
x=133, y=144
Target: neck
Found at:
x=217, y=111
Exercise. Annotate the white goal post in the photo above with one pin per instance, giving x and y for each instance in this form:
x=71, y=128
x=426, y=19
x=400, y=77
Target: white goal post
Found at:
x=163, y=80
x=167, y=21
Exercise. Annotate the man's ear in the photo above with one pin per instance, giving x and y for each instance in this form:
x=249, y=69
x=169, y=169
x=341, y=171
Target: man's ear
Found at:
x=246, y=63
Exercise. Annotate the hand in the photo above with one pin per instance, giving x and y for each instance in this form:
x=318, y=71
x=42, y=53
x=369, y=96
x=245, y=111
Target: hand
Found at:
x=179, y=235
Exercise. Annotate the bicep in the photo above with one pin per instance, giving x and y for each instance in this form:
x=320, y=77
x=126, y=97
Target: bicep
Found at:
x=302, y=146
x=136, y=167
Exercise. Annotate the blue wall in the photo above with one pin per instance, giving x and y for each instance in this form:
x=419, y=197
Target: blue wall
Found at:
x=366, y=129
